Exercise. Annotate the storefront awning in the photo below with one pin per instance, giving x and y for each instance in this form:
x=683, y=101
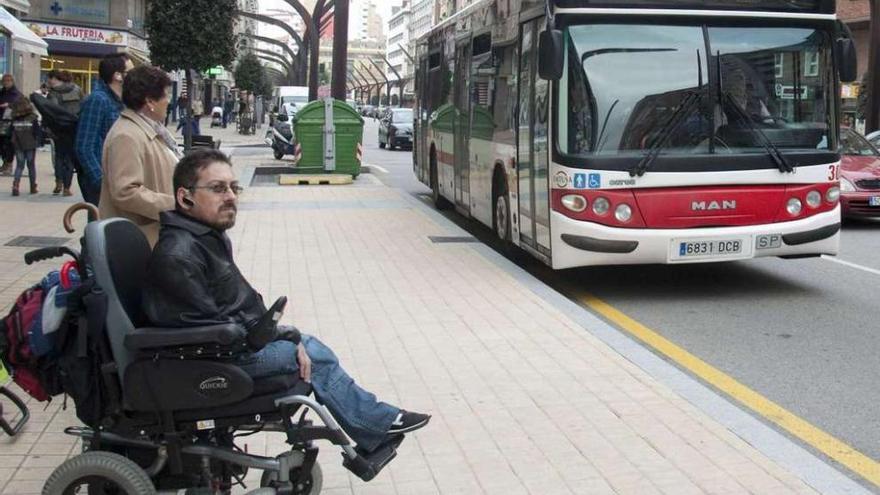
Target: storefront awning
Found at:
x=22, y=5
x=22, y=38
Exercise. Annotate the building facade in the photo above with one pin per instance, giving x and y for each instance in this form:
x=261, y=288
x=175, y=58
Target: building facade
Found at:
x=398, y=38
x=364, y=22
x=421, y=22
x=398, y=43
x=81, y=32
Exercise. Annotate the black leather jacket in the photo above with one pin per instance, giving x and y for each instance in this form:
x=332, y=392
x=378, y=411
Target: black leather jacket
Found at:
x=192, y=279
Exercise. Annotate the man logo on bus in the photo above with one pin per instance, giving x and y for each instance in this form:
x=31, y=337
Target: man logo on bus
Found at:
x=580, y=181
x=726, y=204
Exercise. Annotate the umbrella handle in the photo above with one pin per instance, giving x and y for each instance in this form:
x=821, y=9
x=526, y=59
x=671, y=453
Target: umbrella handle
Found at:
x=93, y=214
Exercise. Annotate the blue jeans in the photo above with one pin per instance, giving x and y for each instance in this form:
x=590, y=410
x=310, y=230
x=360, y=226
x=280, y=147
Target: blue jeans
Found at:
x=361, y=416
x=26, y=158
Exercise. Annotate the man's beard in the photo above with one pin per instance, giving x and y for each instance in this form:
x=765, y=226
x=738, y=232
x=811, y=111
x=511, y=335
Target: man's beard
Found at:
x=222, y=225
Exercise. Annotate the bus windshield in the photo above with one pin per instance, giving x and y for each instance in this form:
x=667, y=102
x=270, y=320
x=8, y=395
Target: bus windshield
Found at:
x=625, y=83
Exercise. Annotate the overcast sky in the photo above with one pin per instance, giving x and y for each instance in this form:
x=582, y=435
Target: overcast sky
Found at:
x=383, y=6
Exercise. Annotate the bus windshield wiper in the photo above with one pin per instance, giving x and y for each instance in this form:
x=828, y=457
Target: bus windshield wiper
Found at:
x=688, y=103
x=776, y=155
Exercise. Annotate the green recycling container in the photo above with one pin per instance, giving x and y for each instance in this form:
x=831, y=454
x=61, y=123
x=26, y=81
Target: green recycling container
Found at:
x=309, y=129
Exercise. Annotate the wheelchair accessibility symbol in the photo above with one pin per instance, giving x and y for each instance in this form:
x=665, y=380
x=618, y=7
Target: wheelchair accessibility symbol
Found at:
x=595, y=181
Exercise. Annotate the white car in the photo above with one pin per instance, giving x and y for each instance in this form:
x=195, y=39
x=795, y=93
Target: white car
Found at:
x=874, y=138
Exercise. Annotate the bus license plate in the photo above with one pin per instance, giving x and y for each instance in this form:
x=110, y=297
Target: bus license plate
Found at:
x=714, y=248
x=874, y=201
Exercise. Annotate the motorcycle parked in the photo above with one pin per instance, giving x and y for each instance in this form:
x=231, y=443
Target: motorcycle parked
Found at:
x=281, y=139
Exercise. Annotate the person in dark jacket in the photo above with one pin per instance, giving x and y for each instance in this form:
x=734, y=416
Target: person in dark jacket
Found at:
x=69, y=96
x=192, y=280
x=228, y=106
x=8, y=94
x=24, y=140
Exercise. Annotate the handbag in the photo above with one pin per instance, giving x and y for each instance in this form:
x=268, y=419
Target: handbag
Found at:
x=5, y=128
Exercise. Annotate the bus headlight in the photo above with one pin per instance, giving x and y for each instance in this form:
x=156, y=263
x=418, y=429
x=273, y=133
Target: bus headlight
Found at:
x=623, y=213
x=833, y=195
x=601, y=206
x=794, y=207
x=574, y=202
x=814, y=199
x=846, y=186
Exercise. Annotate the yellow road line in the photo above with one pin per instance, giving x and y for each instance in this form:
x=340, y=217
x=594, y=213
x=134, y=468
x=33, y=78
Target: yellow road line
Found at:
x=859, y=463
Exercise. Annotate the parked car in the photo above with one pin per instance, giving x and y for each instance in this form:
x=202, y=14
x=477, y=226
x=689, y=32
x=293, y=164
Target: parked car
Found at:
x=396, y=128
x=859, y=176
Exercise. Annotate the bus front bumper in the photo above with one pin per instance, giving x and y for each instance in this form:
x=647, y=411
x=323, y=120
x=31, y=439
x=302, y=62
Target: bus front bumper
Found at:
x=577, y=243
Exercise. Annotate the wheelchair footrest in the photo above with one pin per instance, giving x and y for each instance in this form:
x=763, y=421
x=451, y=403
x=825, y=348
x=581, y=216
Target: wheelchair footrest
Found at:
x=367, y=465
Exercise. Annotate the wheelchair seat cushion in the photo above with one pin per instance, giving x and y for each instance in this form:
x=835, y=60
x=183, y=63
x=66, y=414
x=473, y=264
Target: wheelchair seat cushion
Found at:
x=273, y=388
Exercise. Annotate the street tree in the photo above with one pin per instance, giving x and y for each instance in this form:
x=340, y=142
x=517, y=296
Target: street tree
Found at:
x=191, y=35
x=249, y=73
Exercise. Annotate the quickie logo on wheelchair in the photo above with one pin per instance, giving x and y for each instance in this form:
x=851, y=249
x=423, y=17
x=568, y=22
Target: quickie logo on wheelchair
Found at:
x=214, y=386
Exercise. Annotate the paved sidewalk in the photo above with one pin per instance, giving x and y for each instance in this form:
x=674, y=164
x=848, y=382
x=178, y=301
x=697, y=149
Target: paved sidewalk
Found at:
x=525, y=399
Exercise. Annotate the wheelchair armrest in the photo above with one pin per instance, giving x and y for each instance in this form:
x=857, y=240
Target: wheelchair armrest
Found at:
x=157, y=338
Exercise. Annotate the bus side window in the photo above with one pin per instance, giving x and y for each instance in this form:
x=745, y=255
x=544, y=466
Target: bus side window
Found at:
x=504, y=94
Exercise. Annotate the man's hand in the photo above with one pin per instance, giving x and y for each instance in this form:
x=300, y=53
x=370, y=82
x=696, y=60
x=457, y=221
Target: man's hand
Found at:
x=305, y=363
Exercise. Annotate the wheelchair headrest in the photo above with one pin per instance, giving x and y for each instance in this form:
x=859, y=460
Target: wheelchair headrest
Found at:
x=119, y=252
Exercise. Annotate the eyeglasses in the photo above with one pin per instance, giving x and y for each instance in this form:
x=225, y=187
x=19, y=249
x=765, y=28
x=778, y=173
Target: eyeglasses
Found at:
x=221, y=188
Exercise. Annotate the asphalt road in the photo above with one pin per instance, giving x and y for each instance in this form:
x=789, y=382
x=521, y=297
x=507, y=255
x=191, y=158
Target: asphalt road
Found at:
x=803, y=333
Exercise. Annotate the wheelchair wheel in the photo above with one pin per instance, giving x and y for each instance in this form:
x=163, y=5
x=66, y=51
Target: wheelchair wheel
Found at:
x=312, y=485
x=102, y=473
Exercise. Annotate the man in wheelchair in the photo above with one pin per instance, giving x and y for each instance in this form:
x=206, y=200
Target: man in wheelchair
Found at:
x=192, y=280
x=213, y=366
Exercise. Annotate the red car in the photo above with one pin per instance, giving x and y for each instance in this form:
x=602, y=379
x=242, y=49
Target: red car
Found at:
x=859, y=176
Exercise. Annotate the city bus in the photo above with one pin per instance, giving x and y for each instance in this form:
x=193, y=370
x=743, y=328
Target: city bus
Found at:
x=604, y=132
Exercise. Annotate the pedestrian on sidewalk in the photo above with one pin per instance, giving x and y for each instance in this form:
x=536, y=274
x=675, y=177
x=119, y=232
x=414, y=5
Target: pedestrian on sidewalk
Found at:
x=8, y=94
x=192, y=280
x=24, y=140
x=140, y=154
x=198, y=110
x=228, y=106
x=69, y=96
x=183, y=101
x=97, y=115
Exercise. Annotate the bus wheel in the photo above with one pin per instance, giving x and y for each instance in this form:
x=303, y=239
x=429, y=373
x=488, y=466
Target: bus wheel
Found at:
x=440, y=202
x=501, y=215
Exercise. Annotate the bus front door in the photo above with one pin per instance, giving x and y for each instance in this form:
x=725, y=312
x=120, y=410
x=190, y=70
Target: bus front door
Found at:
x=532, y=147
x=461, y=125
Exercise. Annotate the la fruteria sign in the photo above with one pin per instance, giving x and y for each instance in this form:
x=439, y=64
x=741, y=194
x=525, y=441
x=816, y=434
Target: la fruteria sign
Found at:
x=76, y=33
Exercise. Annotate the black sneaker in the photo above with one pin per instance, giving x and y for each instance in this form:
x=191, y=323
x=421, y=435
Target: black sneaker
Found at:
x=408, y=421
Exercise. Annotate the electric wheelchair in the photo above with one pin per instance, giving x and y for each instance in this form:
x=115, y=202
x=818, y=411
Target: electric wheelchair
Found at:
x=174, y=402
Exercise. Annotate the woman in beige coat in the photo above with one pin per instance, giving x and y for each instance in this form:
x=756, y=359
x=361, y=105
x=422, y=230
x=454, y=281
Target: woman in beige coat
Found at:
x=140, y=154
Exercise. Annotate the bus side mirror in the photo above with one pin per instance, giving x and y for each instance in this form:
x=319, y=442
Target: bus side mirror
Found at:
x=846, y=56
x=550, y=60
